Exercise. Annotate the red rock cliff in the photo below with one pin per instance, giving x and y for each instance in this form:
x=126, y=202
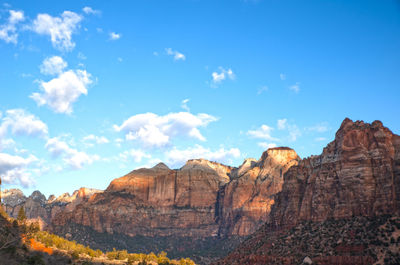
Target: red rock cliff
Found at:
x=357, y=174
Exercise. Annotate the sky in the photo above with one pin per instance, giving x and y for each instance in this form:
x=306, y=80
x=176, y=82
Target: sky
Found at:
x=91, y=90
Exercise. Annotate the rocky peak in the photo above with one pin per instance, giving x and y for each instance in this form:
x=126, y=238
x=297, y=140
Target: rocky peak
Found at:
x=13, y=197
x=37, y=196
x=86, y=192
x=279, y=155
x=51, y=198
x=206, y=165
x=161, y=166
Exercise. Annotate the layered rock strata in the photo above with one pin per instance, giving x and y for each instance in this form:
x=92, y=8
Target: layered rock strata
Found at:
x=345, y=192
x=201, y=199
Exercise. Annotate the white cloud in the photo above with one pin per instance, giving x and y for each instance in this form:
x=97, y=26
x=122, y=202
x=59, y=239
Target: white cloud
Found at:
x=60, y=29
x=295, y=87
x=13, y=169
x=20, y=122
x=53, y=65
x=134, y=154
x=153, y=130
x=282, y=124
x=222, y=75
x=88, y=10
x=72, y=157
x=8, y=31
x=177, y=55
x=282, y=77
x=184, y=104
x=262, y=89
x=62, y=91
x=114, y=36
x=320, y=139
x=266, y=146
x=264, y=132
x=177, y=157
x=91, y=138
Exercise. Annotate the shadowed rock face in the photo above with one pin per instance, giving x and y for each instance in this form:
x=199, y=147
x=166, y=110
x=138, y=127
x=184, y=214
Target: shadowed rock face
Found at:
x=201, y=199
x=358, y=174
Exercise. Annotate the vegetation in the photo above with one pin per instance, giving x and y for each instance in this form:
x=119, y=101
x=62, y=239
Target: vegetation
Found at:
x=80, y=251
x=21, y=214
x=46, y=243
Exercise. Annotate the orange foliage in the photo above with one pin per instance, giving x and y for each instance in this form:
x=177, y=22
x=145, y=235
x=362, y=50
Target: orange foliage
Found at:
x=33, y=244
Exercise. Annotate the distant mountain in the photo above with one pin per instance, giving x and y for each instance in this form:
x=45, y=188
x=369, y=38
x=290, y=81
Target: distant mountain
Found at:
x=36, y=206
x=341, y=207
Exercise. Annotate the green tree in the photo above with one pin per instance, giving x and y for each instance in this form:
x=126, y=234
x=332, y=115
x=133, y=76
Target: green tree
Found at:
x=21, y=214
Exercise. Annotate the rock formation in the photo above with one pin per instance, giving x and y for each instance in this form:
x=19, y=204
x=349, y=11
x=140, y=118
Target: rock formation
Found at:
x=334, y=208
x=247, y=199
x=36, y=206
x=357, y=174
x=203, y=201
x=200, y=199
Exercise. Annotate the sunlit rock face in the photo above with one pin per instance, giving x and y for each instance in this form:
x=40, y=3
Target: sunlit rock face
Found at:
x=201, y=199
x=340, y=207
x=247, y=199
x=357, y=174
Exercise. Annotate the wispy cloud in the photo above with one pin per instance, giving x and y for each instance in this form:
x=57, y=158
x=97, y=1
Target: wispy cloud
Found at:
x=264, y=132
x=282, y=77
x=262, y=89
x=184, y=104
x=90, y=11
x=8, y=31
x=72, y=157
x=177, y=55
x=295, y=87
x=218, y=77
x=92, y=139
x=60, y=29
x=115, y=36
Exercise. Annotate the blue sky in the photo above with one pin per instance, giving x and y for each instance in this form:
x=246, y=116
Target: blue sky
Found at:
x=91, y=90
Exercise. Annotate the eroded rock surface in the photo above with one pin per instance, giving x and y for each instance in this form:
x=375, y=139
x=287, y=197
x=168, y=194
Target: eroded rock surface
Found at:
x=337, y=207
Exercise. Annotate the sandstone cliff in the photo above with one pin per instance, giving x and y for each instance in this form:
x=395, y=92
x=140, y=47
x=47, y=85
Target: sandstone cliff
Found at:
x=205, y=204
x=340, y=207
x=357, y=174
x=200, y=199
x=247, y=199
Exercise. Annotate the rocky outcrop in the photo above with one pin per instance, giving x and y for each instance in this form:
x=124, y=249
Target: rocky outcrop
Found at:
x=335, y=207
x=357, y=174
x=246, y=200
x=36, y=206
